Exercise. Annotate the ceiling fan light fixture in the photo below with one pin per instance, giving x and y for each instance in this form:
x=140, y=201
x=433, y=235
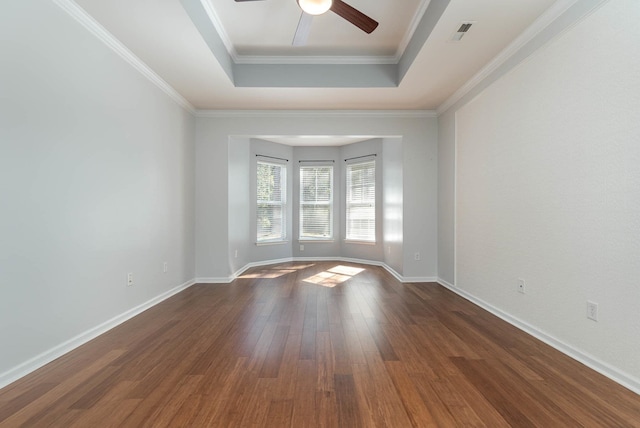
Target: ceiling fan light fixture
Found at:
x=315, y=7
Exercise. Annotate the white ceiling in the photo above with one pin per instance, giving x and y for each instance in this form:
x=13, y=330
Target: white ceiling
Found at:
x=163, y=36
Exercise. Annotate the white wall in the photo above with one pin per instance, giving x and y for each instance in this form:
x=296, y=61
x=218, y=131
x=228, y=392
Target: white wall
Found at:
x=96, y=180
x=547, y=183
x=419, y=153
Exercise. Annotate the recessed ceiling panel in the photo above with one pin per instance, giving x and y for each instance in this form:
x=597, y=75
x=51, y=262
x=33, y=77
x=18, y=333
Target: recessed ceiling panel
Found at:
x=267, y=27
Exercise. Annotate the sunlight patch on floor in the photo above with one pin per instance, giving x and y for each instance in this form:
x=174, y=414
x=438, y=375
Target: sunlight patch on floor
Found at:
x=334, y=276
x=298, y=267
x=270, y=273
x=274, y=272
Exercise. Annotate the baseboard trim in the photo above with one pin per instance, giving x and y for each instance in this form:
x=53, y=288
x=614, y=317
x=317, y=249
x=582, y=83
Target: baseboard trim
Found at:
x=229, y=279
x=248, y=266
x=46, y=357
x=588, y=360
x=214, y=280
x=239, y=272
x=420, y=279
x=445, y=283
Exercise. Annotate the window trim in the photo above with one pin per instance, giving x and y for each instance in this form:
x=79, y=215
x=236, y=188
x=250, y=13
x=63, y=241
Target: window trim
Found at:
x=359, y=242
x=282, y=203
x=355, y=240
x=262, y=243
x=330, y=204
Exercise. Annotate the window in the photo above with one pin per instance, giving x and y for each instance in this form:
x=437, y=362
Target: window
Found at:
x=271, y=202
x=361, y=201
x=316, y=202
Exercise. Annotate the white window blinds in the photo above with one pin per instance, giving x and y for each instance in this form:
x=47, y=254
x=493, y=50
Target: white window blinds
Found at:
x=271, y=202
x=361, y=201
x=316, y=202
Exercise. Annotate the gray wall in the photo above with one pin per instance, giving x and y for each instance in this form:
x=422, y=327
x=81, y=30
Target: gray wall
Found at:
x=96, y=180
x=446, y=193
x=546, y=189
x=239, y=206
x=392, y=203
x=420, y=203
x=419, y=169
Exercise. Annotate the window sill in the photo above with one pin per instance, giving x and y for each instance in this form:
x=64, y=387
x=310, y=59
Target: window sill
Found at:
x=311, y=241
x=354, y=241
x=260, y=244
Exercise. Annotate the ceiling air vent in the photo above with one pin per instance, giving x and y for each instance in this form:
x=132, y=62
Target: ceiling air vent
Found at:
x=464, y=27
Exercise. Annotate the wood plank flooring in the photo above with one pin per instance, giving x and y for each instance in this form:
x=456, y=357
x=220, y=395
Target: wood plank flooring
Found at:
x=316, y=344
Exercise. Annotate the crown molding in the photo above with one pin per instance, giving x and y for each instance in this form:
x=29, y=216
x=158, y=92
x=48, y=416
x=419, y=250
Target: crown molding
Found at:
x=413, y=26
x=316, y=113
x=533, y=31
x=217, y=24
x=88, y=22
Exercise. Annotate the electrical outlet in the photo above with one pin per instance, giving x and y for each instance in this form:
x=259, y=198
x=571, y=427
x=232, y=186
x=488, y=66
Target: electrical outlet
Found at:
x=165, y=267
x=522, y=286
x=301, y=247
x=592, y=310
x=130, y=279
x=416, y=256
x=236, y=254
x=389, y=249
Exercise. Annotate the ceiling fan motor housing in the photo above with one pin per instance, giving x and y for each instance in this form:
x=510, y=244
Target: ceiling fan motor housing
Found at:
x=315, y=7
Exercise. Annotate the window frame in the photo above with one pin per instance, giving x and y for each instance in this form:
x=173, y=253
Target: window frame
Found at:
x=302, y=203
x=282, y=203
x=349, y=237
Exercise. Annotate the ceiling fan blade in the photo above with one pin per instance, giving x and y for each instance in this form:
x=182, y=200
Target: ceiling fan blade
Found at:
x=303, y=30
x=354, y=16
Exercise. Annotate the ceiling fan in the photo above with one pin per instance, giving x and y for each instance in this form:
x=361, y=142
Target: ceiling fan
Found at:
x=318, y=7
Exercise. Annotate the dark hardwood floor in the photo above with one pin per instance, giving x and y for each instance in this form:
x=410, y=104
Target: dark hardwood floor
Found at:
x=312, y=345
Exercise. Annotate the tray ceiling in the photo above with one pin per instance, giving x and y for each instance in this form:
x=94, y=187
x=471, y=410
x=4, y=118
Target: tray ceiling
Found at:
x=163, y=35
